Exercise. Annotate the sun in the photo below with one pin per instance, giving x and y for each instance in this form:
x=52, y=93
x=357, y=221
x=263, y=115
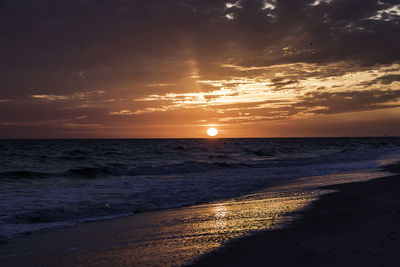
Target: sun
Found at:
x=212, y=132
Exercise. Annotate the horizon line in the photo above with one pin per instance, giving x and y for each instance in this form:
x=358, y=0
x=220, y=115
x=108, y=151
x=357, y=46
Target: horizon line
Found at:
x=188, y=138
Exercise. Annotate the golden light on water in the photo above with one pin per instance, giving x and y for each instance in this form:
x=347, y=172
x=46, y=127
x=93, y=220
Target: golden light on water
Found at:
x=212, y=132
x=174, y=237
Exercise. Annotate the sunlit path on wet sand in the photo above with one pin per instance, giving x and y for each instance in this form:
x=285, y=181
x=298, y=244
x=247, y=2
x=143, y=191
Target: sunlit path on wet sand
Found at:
x=169, y=237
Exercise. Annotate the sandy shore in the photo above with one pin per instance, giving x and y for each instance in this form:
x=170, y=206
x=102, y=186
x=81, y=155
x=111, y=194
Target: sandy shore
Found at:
x=169, y=237
x=357, y=226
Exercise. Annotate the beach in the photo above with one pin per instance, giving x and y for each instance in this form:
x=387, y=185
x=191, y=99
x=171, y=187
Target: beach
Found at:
x=356, y=226
x=170, y=237
x=177, y=202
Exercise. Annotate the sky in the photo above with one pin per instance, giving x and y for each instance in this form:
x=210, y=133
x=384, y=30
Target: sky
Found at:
x=174, y=68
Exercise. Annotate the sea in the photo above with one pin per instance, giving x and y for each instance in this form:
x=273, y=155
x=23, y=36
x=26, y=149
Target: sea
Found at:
x=47, y=184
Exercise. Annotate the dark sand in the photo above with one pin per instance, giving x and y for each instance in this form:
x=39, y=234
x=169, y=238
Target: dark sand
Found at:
x=357, y=226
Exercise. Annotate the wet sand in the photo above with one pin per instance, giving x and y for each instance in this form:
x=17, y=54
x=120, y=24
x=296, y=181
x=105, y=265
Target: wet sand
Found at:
x=357, y=226
x=159, y=238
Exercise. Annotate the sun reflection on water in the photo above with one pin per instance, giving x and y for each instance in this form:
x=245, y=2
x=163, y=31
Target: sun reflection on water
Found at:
x=175, y=237
x=220, y=212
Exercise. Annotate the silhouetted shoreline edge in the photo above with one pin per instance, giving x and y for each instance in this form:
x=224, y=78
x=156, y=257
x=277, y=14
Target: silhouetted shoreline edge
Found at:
x=356, y=226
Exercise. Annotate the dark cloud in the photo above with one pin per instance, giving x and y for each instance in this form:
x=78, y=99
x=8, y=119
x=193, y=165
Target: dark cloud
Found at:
x=342, y=102
x=384, y=80
x=80, y=34
x=68, y=47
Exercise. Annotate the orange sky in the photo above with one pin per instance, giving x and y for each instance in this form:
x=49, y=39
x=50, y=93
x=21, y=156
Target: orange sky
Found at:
x=172, y=69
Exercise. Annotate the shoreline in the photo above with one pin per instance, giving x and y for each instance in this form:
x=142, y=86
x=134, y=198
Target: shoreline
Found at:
x=155, y=238
x=357, y=225
x=113, y=241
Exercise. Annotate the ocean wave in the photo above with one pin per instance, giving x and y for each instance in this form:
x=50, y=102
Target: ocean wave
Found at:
x=24, y=174
x=116, y=169
x=45, y=184
x=185, y=167
x=70, y=213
